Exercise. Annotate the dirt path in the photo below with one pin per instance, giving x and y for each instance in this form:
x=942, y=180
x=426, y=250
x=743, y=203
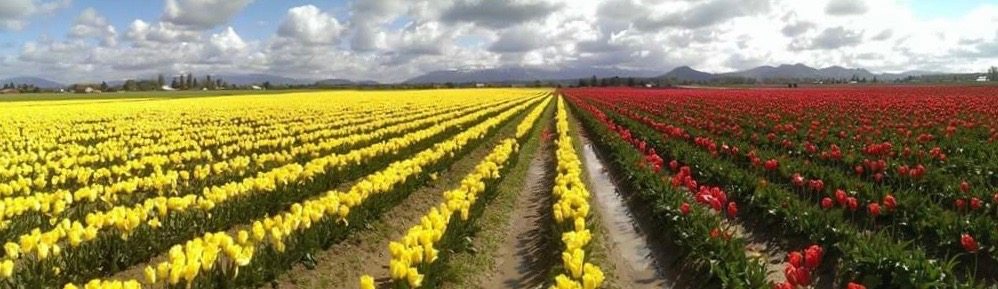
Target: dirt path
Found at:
x=523, y=260
x=366, y=251
x=634, y=258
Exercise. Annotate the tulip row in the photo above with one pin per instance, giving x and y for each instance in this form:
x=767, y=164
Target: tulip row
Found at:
x=698, y=230
x=216, y=258
x=161, y=221
x=864, y=254
x=571, y=211
x=53, y=204
x=938, y=185
x=71, y=164
x=414, y=257
x=920, y=217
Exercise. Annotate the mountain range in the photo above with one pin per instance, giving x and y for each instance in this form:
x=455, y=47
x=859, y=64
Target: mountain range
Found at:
x=36, y=81
x=682, y=73
x=523, y=74
x=513, y=74
x=787, y=71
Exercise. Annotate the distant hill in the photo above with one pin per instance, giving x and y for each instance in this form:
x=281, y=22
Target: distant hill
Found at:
x=514, y=74
x=36, y=81
x=686, y=73
x=258, y=78
x=344, y=82
x=787, y=71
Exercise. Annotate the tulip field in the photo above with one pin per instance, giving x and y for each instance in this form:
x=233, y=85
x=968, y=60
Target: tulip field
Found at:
x=849, y=187
x=873, y=187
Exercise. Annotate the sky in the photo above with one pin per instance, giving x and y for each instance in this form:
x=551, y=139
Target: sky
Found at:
x=393, y=40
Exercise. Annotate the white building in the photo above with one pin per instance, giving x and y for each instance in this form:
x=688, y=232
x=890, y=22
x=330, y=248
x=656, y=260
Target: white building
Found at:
x=982, y=78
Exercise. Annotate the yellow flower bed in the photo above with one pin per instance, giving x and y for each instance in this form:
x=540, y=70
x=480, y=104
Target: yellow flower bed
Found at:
x=571, y=210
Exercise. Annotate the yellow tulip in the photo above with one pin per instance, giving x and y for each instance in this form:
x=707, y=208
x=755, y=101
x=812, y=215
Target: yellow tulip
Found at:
x=366, y=282
x=150, y=275
x=6, y=268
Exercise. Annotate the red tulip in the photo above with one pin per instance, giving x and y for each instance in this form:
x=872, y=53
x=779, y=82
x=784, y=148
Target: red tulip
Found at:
x=783, y=285
x=673, y=165
x=684, y=209
x=996, y=197
x=804, y=276
x=859, y=170
x=790, y=272
x=795, y=259
x=975, y=203
x=968, y=243
x=732, y=209
x=817, y=185
x=874, y=209
x=852, y=285
x=826, y=203
x=772, y=165
x=960, y=204
x=964, y=186
x=890, y=202
x=812, y=256
x=852, y=203
x=840, y=195
x=797, y=180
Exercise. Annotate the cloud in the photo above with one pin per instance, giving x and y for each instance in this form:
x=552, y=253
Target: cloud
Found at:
x=366, y=17
x=883, y=35
x=91, y=24
x=836, y=37
x=310, y=26
x=517, y=40
x=14, y=14
x=145, y=34
x=845, y=7
x=201, y=14
x=498, y=13
x=798, y=28
x=706, y=13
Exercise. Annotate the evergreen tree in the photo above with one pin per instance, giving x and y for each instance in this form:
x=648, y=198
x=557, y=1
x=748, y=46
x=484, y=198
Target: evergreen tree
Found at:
x=190, y=81
x=593, y=81
x=993, y=73
x=160, y=81
x=183, y=84
x=582, y=82
x=208, y=83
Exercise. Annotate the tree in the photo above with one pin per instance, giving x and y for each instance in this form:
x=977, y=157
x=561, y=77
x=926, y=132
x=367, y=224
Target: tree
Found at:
x=160, y=81
x=183, y=84
x=175, y=84
x=208, y=83
x=993, y=73
x=103, y=86
x=195, y=85
x=630, y=81
x=582, y=82
x=190, y=81
x=593, y=81
x=266, y=85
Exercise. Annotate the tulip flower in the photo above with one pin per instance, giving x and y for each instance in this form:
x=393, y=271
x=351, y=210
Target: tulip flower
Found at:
x=968, y=243
x=795, y=259
x=975, y=203
x=960, y=204
x=852, y=203
x=964, y=187
x=826, y=203
x=684, y=209
x=890, y=202
x=732, y=209
x=853, y=285
x=783, y=285
x=772, y=165
x=812, y=256
x=874, y=209
x=366, y=282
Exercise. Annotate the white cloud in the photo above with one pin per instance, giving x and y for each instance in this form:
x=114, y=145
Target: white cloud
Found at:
x=310, y=26
x=14, y=14
x=202, y=14
x=91, y=24
x=845, y=7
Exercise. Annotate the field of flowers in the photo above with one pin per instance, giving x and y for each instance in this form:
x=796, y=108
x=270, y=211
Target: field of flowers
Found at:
x=228, y=192
x=873, y=187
